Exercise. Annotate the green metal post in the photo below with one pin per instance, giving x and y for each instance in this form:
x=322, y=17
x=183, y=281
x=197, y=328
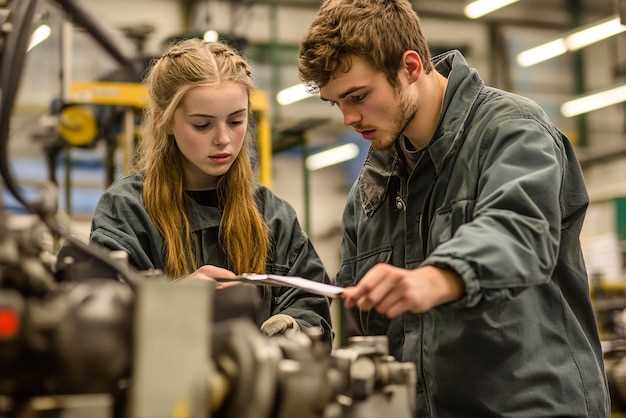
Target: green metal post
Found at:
x=67, y=184
x=275, y=64
x=306, y=180
x=576, y=13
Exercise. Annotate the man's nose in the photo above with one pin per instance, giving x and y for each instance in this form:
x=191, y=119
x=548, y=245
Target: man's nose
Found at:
x=350, y=116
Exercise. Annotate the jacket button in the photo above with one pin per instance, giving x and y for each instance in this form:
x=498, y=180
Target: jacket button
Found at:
x=399, y=203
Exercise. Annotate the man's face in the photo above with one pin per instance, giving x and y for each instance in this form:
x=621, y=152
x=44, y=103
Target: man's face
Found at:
x=369, y=103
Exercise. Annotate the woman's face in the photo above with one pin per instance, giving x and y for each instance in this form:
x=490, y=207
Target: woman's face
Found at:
x=209, y=127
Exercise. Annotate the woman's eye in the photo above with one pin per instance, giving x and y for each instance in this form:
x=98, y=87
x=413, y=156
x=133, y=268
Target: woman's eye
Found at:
x=201, y=126
x=236, y=122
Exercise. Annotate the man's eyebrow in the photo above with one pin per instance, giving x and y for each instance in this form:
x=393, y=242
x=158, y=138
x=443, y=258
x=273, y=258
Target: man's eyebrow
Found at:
x=350, y=90
x=345, y=93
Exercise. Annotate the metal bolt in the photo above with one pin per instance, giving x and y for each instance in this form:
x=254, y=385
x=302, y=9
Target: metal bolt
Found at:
x=362, y=378
x=379, y=343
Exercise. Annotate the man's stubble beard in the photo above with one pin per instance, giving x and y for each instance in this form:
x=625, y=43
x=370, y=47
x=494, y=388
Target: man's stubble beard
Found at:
x=407, y=110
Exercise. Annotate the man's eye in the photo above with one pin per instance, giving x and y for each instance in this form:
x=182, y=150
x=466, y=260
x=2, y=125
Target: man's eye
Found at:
x=358, y=98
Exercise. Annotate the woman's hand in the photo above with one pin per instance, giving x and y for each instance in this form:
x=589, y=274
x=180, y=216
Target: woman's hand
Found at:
x=208, y=272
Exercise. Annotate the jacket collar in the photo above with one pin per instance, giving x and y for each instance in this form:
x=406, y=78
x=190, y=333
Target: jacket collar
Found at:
x=464, y=84
x=201, y=217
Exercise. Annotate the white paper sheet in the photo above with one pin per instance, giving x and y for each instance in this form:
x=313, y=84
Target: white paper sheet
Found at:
x=310, y=286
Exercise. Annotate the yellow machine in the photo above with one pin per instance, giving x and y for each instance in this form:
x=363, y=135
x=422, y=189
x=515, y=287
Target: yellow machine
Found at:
x=78, y=125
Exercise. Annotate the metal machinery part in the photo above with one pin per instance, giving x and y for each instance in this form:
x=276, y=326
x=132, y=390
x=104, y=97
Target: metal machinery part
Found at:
x=92, y=347
x=171, y=349
x=294, y=375
x=244, y=374
x=614, y=349
x=615, y=365
x=95, y=338
x=77, y=126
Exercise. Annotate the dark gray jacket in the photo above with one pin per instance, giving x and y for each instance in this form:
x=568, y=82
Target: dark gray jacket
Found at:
x=499, y=198
x=121, y=223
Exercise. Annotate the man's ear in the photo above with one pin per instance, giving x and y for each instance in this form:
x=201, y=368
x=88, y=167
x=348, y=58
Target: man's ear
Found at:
x=411, y=64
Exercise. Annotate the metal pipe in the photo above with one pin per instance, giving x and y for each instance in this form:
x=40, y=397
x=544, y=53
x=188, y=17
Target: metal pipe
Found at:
x=602, y=158
x=576, y=11
x=79, y=16
x=11, y=65
x=306, y=180
x=276, y=67
x=66, y=80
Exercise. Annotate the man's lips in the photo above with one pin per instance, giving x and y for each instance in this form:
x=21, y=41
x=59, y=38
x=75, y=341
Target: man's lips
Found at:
x=367, y=133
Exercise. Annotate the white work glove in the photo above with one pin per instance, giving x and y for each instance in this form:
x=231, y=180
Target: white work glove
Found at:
x=279, y=324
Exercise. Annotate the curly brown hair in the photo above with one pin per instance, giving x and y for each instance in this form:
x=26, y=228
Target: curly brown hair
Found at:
x=379, y=31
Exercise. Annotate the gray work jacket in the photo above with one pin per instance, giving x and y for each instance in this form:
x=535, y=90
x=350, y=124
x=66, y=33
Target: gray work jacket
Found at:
x=121, y=222
x=499, y=198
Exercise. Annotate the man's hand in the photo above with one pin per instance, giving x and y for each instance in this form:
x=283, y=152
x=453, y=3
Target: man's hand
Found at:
x=208, y=272
x=393, y=291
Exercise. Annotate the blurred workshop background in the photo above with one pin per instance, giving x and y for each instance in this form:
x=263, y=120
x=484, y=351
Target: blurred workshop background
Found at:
x=78, y=110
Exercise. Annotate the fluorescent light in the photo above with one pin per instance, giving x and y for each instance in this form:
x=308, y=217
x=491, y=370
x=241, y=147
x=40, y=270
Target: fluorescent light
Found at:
x=594, y=101
x=542, y=53
x=210, y=36
x=293, y=94
x=39, y=35
x=480, y=8
x=332, y=156
x=573, y=41
x=595, y=33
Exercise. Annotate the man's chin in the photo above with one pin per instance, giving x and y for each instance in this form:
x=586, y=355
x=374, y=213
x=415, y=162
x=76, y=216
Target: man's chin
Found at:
x=382, y=144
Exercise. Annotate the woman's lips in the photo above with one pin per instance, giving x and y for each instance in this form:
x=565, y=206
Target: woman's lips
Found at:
x=219, y=158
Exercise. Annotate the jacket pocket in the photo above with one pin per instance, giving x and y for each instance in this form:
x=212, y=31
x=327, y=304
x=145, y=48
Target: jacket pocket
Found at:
x=447, y=220
x=354, y=268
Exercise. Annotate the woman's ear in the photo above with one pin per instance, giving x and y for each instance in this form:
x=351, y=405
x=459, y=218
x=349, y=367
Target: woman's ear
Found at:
x=169, y=128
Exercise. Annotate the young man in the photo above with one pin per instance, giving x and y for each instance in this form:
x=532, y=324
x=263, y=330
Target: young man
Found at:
x=462, y=232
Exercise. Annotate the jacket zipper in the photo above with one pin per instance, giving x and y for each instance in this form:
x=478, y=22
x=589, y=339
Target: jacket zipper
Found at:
x=425, y=230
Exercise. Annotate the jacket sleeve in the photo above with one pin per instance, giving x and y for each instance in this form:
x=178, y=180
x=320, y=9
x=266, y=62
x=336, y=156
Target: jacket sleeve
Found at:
x=512, y=239
x=294, y=255
x=120, y=222
x=347, y=274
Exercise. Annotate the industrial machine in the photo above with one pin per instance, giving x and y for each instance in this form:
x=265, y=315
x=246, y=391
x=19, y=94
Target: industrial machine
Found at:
x=108, y=111
x=609, y=302
x=87, y=336
x=98, y=348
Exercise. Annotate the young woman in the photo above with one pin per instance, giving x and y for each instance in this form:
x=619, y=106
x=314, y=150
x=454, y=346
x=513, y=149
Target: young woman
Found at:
x=193, y=207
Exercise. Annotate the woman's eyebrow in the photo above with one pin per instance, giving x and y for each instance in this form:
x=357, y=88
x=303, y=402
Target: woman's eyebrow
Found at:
x=206, y=115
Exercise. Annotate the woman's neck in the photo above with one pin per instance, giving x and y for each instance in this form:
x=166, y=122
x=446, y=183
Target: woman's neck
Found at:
x=196, y=179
